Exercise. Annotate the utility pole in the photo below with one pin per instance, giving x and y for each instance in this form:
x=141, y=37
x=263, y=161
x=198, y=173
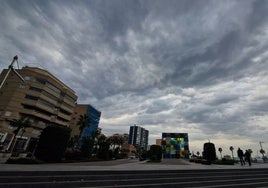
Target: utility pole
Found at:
x=10, y=68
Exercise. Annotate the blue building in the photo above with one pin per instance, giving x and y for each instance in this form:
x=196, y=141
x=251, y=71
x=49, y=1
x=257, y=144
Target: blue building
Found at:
x=94, y=116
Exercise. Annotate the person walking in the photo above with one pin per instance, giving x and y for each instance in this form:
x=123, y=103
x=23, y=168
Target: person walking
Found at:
x=240, y=155
x=248, y=157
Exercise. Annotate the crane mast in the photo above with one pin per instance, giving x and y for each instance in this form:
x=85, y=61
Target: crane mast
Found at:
x=11, y=68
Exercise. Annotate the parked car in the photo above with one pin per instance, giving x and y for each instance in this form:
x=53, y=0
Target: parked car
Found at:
x=258, y=160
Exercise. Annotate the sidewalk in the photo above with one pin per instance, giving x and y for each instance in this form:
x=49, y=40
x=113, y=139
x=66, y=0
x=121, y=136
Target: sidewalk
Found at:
x=125, y=164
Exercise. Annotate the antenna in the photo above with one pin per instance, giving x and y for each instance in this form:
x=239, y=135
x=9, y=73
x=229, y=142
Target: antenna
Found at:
x=10, y=68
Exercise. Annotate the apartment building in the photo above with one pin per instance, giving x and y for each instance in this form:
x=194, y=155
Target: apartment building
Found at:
x=41, y=98
x=138, y=136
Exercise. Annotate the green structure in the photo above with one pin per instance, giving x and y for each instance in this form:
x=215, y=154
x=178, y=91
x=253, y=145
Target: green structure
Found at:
x=175, y=145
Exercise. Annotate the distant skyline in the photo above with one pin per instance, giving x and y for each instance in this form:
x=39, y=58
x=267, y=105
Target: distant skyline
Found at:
x=186, y=66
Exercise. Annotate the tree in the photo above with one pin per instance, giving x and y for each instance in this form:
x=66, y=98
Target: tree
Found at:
x=53, y=143
x=232, y=150
x=87, y=146
x=220, y=150
x=155, y=153
x=262, y=152
x=104, y=151
x=84, y=121
x=20, y=124
x=116, y=141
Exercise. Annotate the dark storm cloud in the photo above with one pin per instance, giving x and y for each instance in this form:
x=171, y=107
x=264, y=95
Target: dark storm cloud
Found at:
x=191, y=66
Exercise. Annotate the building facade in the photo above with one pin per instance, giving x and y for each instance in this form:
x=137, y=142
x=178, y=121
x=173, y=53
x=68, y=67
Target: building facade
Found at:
x=42, y=99
x=93, y=115
x=138, y=137
x=175, y=145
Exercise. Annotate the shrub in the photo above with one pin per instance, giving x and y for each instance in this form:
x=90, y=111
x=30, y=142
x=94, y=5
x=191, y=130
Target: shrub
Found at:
x=155, y=153
x=23, y=160
x=73, y=155
x=224, y=162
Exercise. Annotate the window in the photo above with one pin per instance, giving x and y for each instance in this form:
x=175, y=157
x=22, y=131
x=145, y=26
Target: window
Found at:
x=8, y=113
x=27, y=78
x=50, y=95
x=22, y=86
x=54, y=88
x=31, y=97
x=35, y=89
x=70, y=98
x=40, y=80
x=46, y=103
x=67, y=105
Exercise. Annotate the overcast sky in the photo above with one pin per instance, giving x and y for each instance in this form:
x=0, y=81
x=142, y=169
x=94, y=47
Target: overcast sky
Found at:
x=191, y=66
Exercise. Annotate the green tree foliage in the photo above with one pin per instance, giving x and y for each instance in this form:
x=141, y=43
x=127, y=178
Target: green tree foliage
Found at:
x=20, y=126
x=262, y=152
x=155, y=153
x=87, y=146
x=116, y=141
x=52, y=143
x=104, y=151
x=84, y=121
x=22, y=123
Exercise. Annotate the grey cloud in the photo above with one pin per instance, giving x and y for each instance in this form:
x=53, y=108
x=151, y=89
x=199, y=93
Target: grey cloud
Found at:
x=176, y=65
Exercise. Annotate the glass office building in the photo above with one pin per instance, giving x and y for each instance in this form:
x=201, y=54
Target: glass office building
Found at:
x=175, y=145
x=94, y=116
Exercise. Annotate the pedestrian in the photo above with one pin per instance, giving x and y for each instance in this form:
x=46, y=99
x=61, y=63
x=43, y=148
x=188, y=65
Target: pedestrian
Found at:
x=248, y=157
x=240, y=155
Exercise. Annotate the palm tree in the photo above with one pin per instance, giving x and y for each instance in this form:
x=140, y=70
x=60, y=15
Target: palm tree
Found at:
x=262, y=152
x=232, y=150
x=220, y=150
x=84, y=121
x=20, y=124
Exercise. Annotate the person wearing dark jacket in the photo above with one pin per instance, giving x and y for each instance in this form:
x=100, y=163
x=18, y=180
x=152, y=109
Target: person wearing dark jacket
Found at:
x=240, y=155
x=248, y=157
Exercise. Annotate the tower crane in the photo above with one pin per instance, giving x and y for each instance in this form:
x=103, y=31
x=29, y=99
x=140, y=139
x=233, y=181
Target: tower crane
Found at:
x=10, y=68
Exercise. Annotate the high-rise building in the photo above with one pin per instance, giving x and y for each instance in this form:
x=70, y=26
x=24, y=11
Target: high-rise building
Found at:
x=42, y=99
x=138, y=137
x=94, y=117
